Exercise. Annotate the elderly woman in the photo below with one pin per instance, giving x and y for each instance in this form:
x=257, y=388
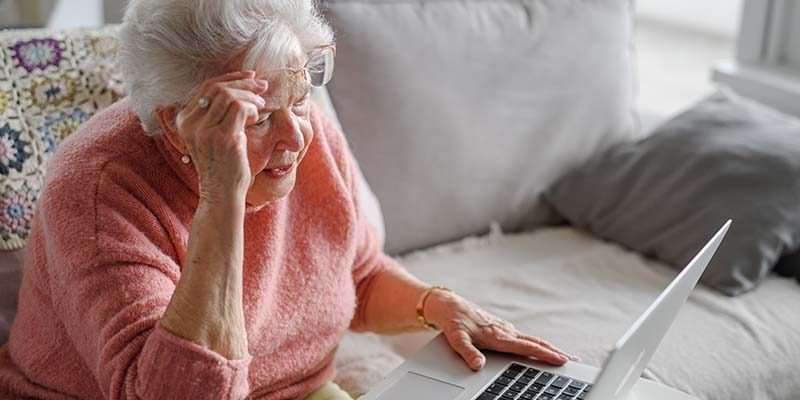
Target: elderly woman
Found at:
x=202, y=239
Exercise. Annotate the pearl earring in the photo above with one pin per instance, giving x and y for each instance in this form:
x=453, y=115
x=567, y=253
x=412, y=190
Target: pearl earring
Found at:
x=185, y=159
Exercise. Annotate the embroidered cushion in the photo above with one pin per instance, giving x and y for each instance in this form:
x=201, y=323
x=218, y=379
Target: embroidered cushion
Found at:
x=50, y=82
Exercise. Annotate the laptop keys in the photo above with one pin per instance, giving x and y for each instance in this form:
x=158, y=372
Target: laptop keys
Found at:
x=516, y=367
x=571, y=391
x=504, y=381
x=536, y=387
x=517, y=387
x=520, y=383
x=544, y=378
x=560, y=382
x=530, y=372
x=510, y=374
x=551, y=390
x=495, y=389
x=577, y=385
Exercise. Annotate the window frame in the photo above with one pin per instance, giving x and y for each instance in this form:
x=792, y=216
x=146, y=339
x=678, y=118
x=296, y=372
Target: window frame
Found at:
x=767, y=63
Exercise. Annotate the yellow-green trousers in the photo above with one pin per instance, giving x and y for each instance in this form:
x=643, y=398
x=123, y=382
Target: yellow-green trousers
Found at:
x=329, y=391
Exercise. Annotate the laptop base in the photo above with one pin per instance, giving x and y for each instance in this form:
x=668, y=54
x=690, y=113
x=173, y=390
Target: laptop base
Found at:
x=436, y=372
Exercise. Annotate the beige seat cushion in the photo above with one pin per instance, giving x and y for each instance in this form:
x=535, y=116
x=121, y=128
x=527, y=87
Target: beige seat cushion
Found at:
x=582, y=294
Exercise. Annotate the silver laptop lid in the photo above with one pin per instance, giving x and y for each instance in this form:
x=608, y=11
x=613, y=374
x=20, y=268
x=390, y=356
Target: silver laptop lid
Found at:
x=633, y=351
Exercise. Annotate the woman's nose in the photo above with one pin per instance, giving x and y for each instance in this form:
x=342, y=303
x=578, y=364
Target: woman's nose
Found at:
x=287, y=132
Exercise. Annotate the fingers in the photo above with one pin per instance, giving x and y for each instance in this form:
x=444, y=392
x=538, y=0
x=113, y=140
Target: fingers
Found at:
x=531, y=349
x=221, y=104
x=207, y=86
x=257, y=86
x=460, y=342
x=233, y=75
x=237, y=116
x=211, y=88
x=547, y=345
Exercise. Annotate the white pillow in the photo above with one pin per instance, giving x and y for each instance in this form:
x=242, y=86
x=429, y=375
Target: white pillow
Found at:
x=461, y=112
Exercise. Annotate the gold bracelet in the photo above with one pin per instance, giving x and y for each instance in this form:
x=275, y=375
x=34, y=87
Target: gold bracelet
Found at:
x=421, y=306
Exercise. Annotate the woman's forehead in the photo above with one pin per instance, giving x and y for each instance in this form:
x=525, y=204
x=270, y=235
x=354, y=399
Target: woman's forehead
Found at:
x=285, y=87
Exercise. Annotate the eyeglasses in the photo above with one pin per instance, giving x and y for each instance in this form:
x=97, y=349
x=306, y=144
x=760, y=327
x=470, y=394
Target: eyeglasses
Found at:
x=318, y=69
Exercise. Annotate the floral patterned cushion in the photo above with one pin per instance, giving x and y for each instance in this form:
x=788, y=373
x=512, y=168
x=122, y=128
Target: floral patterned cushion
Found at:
x=50, y=83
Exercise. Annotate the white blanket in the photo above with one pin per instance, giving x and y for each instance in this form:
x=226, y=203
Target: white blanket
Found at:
x=582, y=294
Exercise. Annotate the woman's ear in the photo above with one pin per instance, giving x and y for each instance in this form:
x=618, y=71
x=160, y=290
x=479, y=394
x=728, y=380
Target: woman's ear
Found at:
x=166, y=118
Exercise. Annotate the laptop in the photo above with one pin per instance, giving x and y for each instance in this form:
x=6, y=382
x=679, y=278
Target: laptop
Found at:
x=436, y=372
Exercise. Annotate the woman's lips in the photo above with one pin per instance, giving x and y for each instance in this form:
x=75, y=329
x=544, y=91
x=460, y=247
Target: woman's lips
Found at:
x=278, y=172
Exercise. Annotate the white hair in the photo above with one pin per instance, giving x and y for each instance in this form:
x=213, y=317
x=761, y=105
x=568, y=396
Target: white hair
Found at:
x=169, y=47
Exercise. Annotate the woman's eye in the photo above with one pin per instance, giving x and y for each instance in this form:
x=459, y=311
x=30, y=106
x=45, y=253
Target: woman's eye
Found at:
x=301, y=102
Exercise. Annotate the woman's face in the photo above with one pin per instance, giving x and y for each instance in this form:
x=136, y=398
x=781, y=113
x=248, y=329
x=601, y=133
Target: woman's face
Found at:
x=278, y=141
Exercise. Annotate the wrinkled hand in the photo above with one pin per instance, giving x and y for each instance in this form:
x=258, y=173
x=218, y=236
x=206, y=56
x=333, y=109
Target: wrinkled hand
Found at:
x=214, y=135
x=467, y=327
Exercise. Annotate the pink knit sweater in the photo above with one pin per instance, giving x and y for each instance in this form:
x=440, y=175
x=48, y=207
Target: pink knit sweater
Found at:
x=108, y=242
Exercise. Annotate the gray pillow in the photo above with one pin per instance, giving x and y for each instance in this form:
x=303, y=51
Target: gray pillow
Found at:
x=664, y=196
x=461, y=112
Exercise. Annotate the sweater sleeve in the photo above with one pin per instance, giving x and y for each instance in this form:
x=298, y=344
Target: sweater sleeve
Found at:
x=111, y=282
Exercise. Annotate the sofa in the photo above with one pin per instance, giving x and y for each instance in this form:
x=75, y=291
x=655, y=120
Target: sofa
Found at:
x=461, y=114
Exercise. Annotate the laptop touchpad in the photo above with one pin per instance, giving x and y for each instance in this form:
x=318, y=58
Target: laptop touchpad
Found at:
x=420, y=387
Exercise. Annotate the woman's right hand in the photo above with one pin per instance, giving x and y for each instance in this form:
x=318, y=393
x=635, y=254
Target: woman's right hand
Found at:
x=215, y=137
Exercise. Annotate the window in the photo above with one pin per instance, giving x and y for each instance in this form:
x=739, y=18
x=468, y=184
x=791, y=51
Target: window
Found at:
x=767, y=63
x=677, y=43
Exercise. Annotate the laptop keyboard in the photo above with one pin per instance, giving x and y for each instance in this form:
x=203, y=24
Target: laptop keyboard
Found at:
x=519, y=382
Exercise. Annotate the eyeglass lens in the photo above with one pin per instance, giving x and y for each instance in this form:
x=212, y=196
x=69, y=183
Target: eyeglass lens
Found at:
x=320, y=67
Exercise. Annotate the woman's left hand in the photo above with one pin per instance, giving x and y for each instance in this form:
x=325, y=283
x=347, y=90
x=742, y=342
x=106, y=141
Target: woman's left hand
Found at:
x=467, y=327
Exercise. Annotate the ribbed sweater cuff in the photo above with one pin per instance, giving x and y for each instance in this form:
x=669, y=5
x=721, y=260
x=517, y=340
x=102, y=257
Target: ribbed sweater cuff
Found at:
x=174, y=367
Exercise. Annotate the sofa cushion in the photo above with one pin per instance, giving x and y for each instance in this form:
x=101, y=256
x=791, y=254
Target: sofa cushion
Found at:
x=582, y=294
x=725, y=157
x=461, y=112
x=50, y=82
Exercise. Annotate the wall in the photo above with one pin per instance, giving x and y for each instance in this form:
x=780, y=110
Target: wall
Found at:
x=719, y=17
x=24, y=13
x=114, y=9
x=76, y=13
x=793, y=39
x=63, y=14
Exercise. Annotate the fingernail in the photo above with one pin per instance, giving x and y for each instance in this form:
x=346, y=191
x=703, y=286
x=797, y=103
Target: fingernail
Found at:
x=262, y=83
